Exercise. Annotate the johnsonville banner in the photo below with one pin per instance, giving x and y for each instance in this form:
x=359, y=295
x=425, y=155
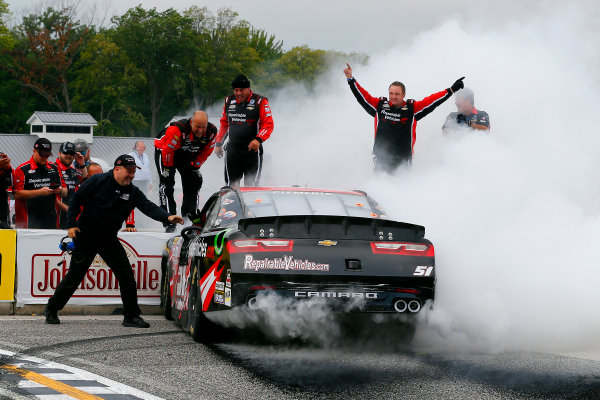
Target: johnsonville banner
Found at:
x=41, y=265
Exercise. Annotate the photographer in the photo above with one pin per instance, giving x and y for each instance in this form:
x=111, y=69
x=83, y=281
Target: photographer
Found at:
x=466, y=115
x=96, y=213
x=38, y=184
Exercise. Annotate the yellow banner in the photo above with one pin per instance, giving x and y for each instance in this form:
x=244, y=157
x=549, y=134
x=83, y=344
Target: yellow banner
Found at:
x=8, y=245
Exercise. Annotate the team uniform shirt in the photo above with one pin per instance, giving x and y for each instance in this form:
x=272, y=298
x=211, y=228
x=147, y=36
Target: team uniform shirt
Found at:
x=37, y=212
x=245, y=121
x=179, y=146
x=5, y=187
x=72, y=179
x=102, y=205
x=395, y=127
x=475, y=117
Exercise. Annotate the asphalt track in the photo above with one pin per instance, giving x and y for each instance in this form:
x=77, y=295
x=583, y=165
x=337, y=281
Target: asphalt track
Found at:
x=165, y=362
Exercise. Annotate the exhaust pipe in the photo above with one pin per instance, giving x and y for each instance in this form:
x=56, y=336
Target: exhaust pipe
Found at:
x=251, y=302
x=400, y=306
x=414, y=306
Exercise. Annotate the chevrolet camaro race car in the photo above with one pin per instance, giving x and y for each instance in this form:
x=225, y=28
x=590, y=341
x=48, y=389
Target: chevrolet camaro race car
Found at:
x=299, y=244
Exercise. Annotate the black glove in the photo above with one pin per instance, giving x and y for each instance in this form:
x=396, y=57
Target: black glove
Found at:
x=461, y=119
x=456, y=86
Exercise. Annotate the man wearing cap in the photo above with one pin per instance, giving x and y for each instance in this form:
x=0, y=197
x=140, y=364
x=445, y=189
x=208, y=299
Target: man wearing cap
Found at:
x=81, y=146
x=73, y=176
x=183, y=146
x=248, y=122
x=38, y=184
x=96, y=213
x=6, y=172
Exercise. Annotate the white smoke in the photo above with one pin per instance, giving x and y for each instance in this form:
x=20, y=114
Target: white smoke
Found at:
x=514, y=215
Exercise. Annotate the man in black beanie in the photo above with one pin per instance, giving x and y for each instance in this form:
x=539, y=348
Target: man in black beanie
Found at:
x=248, y=122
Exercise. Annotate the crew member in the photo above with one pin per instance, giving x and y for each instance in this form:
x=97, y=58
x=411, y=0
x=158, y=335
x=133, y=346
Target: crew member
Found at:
x=396, y=120
x=466, y=114
x=5, y=185
x=248, y=122
x=37, y=186
x=71, y=175
x=184, y=146
x=96, y=212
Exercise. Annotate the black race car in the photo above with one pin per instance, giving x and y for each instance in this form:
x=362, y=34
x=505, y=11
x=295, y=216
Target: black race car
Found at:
x=297, y=243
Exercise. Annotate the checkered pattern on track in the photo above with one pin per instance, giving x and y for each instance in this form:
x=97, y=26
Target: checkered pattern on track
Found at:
x=53, y=377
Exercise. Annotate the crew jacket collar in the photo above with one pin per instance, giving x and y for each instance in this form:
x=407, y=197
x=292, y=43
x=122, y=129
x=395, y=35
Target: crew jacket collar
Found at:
x=33, y=164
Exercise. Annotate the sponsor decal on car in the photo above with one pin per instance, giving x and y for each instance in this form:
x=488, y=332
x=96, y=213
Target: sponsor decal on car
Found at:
x=228, y=297
x=220, y=286
x=348, y=295
x=219, y=297
x=287, y=263
x=229, y=214
x=228, y=282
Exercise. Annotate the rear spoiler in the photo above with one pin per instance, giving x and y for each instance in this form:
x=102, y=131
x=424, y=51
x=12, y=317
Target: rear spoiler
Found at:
x=330, y=227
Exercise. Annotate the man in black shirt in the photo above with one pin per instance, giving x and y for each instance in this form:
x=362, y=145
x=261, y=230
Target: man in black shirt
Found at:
x=5, y=184
x=96, y=213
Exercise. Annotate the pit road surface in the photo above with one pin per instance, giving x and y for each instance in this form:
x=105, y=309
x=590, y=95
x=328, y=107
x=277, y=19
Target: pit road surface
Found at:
x=167, y=363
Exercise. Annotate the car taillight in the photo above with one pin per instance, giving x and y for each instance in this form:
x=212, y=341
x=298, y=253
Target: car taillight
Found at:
x=252, y=245
x=403, y=249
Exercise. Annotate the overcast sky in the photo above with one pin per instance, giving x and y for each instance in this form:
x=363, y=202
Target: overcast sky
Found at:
x=349, y=25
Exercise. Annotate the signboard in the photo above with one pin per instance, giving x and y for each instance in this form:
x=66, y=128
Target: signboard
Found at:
x=42, y=265
x=7, y=264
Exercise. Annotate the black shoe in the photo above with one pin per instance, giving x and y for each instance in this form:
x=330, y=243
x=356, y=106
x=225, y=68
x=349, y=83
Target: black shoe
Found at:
x=135, y=322
x=170, y=229
x=51, y=317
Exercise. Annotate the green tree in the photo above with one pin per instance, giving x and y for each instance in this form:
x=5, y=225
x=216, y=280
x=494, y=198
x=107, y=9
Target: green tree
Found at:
x=47, y=45
x=6, y=38
x=224, y=47
x=105, y=78
x=156, y=43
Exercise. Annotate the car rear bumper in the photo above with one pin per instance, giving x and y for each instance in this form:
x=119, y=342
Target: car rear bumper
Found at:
x=340, y=297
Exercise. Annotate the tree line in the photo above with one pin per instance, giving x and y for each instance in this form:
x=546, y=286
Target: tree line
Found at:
x=143, y=68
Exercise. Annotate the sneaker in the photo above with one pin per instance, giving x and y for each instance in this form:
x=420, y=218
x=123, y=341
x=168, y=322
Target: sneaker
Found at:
x=170, y=229
x=135, y=322
x=51, y=317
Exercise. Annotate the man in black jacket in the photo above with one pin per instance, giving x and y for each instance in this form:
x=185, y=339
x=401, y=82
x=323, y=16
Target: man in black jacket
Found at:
x=96, y=213
x=5, y=185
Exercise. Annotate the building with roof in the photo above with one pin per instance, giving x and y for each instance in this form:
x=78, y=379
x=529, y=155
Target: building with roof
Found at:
x=61, y=127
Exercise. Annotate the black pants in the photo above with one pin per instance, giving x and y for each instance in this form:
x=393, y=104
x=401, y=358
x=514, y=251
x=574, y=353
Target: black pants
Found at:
x=240, y=162
x=191, y=182
x=388, y=164
x=112, y=252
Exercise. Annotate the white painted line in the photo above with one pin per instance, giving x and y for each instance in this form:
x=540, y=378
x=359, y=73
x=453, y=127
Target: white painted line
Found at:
x=78, y=374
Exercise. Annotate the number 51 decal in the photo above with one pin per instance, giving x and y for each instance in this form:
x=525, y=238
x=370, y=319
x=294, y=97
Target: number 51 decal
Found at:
x=423, y=271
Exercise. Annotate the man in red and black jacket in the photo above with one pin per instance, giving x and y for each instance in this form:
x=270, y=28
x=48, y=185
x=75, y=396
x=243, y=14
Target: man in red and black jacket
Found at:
x=73, y=176
x=5, y=185
x=248, y=122
x=184, y=146
x=396, y=120
x=37, y=187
